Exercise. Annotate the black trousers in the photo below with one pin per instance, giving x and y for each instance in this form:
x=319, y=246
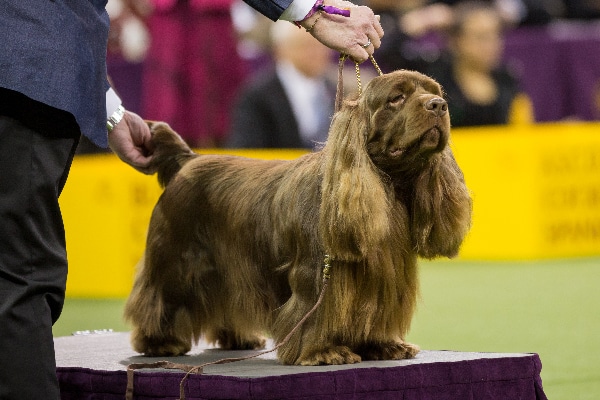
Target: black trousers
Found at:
x=35, y=157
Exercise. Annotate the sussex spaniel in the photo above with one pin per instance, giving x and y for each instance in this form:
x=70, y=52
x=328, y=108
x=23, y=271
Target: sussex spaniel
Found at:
x=235, y=246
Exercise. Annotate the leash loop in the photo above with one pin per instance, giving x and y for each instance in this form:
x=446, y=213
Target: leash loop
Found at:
x=339, y=95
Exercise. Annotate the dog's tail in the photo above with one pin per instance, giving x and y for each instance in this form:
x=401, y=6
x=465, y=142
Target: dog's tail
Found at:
x=171, y=152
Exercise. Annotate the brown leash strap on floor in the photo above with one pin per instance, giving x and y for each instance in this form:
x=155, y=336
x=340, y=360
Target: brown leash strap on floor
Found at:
x=199, y=369
x=159, y=364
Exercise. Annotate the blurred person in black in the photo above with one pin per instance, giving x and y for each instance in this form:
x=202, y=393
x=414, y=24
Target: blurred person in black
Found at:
x=582, y=9
x=520, y=12
x=479, y=88
x=291, y=104
x=405, y=23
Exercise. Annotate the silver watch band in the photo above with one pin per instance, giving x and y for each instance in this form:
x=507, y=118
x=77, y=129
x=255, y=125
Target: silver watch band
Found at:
x=115, y=118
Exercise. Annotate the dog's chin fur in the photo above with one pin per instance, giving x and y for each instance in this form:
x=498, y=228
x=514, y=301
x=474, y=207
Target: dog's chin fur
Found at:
x=235, y=246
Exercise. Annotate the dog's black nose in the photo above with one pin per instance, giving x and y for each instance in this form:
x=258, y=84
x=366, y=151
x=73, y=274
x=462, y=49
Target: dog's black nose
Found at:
x=437, y=105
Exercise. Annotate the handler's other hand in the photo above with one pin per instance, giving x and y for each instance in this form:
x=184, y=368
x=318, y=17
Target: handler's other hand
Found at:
x=131, y=141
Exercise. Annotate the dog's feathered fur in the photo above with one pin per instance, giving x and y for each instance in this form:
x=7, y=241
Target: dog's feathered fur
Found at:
x=235, y=246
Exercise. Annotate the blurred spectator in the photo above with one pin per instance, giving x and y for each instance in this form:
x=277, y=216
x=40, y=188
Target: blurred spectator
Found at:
x=412, y=26
x=128, y=36
x=192, y=69
x=289, y=105
x=582, y=9
x=521, y=12
x=480, y=90
x=404, y=23
x=128, y=42
x=252, y=29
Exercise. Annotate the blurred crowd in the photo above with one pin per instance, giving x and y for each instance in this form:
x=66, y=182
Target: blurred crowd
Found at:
x=224, y=76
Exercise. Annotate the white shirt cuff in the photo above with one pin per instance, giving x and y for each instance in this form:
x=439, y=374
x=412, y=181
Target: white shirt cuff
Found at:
x=297, y=10
x=112, y=102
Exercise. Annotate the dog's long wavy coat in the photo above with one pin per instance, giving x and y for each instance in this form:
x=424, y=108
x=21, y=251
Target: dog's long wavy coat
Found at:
x=235, y=246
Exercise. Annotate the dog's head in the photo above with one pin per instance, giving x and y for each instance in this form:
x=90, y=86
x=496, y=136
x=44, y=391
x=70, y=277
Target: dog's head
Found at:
x=408, y=119
x=398, y=124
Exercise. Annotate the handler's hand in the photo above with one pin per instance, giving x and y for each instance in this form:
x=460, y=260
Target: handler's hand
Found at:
x=131, y=141
x=348, y=35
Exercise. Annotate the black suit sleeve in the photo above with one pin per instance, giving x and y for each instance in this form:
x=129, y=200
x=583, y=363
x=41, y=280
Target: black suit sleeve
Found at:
x=271, y=9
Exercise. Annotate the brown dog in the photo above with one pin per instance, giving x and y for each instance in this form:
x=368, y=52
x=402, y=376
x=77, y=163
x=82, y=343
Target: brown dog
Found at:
x=235, y=246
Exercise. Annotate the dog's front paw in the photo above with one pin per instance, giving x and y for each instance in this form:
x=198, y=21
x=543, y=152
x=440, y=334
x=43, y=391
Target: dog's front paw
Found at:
x=388, y=351
x=159, y=347
x=334, y=355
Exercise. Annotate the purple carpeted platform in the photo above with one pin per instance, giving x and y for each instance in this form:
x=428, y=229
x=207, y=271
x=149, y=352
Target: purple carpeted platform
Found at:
x=94, y=367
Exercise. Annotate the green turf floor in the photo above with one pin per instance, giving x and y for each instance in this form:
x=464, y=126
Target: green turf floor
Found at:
x=551, y=308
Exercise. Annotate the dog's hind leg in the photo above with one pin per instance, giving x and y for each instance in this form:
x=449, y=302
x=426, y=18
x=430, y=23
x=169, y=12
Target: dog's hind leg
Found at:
x=228, y=339
x=160, y=326
x=175, y=340
x=237, y=322
x=158, y=306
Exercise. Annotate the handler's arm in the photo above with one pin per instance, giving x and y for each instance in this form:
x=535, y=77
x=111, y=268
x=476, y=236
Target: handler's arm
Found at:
x=356, y=33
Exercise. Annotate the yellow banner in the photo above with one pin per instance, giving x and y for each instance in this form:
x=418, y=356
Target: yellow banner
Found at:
x=536, y=190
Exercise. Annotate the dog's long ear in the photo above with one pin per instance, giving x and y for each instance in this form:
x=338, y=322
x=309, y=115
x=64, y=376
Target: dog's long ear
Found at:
x=355, y=203
x=441, y=209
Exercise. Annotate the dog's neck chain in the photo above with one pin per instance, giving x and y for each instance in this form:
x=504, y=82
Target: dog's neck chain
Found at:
x=326, y=268
x=198, y=369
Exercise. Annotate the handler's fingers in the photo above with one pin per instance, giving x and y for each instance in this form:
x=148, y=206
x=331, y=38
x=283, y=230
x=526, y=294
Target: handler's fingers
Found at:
x=378, y=26
x=376, y=39
x=359, y=54
x=374, y=42
x=374, y=33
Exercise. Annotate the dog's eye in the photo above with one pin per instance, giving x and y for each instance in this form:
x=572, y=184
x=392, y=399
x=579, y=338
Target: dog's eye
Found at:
x=397, y=100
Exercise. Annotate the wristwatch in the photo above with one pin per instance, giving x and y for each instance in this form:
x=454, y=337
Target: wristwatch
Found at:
x=115, y=118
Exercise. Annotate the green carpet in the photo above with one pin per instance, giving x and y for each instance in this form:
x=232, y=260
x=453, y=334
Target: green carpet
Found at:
x=547, y=307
